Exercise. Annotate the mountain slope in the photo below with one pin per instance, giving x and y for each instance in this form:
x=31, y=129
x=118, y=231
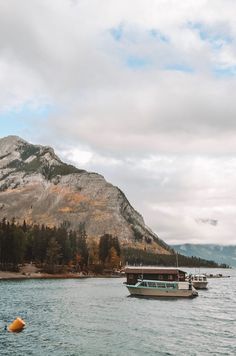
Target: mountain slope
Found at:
x=218, y=253
x=36, y=186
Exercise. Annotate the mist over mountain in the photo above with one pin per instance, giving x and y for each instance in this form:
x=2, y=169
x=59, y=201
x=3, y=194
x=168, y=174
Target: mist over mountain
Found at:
x=36, y=186
x=217, y=253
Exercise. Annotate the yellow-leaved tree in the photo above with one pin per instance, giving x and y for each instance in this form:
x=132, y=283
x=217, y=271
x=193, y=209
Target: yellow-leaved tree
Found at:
x=113, y=258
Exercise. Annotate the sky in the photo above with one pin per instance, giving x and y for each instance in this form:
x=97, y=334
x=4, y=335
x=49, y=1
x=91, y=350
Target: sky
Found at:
x=140, y=91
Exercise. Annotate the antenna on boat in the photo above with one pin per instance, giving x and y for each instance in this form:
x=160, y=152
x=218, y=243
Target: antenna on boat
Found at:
x=177, y=261
x=177, y=264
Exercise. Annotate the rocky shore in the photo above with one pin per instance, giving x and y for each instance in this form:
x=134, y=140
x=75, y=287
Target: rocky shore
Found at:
x=30, y=271
x=39, y=275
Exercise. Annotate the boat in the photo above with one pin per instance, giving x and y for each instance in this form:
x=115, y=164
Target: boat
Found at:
x=159, y=282
x=199, y=281
x=149, y=288
x=218, y=275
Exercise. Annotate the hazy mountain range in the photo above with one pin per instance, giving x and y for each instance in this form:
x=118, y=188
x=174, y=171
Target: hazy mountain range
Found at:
x=36, y=186
x=217, y=253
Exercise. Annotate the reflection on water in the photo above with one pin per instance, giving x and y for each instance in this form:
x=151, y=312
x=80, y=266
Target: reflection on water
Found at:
x=96, y=317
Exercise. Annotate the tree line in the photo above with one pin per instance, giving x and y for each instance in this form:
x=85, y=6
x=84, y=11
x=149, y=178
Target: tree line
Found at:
x=60, y=250
x=55, y=249
x=138, y=257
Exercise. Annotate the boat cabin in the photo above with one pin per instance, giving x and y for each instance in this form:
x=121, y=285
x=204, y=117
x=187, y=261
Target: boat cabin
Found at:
x=170, y=274
x=199, y=277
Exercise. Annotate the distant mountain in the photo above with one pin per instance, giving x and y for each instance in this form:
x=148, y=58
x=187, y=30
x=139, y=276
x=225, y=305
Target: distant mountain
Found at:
x=36, y=186
x=217, y=253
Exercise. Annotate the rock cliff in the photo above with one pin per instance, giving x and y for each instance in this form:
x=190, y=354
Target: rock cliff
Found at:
x=36, y=186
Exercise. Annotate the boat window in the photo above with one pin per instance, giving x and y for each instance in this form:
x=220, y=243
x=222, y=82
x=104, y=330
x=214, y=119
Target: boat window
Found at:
x=171, y=285
x=204, y=278
x=161, y=285
x=151, y=284
x=143, y=284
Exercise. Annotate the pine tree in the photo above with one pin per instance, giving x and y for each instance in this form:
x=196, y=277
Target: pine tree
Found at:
x=53, y=255
x=93, y=252
x=82, y=248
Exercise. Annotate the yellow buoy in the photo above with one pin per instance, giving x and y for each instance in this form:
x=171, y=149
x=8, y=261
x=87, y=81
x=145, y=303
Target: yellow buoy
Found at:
x=17, y=325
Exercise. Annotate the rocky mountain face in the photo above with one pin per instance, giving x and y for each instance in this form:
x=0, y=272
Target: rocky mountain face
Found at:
x=219, y=253
x=36, y=186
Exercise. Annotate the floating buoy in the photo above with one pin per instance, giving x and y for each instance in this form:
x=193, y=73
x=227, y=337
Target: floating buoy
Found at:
x=17, y=325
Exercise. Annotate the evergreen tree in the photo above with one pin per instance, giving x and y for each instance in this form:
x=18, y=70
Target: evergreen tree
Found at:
x=106, y=243
x=82, y=248
x=104, y=247
x=93, y=252
x=53, y=255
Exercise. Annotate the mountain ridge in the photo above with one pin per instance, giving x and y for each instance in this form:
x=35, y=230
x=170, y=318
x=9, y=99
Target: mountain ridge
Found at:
x=219, y=253
x=37, y=186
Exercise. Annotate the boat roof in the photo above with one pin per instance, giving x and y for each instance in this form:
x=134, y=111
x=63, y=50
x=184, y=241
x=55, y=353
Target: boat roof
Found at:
x=152, y=270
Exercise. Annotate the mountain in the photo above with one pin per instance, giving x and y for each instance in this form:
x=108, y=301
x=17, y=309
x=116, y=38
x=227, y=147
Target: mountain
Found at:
x=36, y=186
x=218, y=253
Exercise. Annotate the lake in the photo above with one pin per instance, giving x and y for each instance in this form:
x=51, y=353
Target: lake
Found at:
x=95, y=316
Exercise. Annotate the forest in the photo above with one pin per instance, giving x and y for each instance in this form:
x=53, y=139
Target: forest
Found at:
x=60, y=250
x=57, y=249
x=138, y=257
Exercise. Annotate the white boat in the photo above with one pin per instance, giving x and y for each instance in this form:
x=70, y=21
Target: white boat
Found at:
x=199, y=281
x=152, y=281
x=155, y=288
x=218, y=275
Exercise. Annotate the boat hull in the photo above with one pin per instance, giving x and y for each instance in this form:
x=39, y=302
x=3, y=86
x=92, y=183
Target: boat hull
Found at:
x=200, y=285
x=154, y=292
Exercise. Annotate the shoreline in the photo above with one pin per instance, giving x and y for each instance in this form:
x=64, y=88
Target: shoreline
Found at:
x=18, y=275
x=4, y=276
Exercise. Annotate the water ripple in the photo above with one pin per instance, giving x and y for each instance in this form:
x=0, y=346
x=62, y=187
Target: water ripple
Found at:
x=96, y=317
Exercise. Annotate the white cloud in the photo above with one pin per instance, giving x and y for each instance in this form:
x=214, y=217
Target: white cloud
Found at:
x=77, y=156
x=177, y=193
x=152, y=109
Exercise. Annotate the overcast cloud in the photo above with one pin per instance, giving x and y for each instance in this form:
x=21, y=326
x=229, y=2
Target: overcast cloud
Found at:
x=142, y=92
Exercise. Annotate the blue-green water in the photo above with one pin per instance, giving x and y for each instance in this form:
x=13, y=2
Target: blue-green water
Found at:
x=96, y=317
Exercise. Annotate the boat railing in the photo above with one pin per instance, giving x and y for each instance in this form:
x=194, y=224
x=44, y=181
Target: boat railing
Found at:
x=157, y=284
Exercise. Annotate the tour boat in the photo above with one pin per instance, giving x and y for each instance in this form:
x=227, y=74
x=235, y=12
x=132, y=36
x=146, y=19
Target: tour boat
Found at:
x=159, y=282
x=199, y=281
x=149, y=288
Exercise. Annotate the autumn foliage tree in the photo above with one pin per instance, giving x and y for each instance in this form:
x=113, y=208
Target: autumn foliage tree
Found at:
x=109, y=250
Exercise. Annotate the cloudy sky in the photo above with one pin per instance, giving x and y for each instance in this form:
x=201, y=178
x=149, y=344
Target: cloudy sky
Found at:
x=141, y=91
